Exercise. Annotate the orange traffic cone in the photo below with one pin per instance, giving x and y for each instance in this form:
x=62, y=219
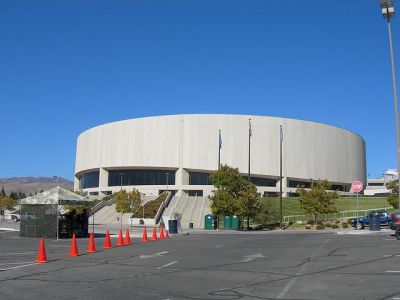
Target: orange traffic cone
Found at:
x=41, y=258
x=91, y=247
x=162, y=233
x=166, y=234
x=154, y=237
x=144, y=236
x=74, y=247
x=120, y=239
x=107, y=241
x=127, y=238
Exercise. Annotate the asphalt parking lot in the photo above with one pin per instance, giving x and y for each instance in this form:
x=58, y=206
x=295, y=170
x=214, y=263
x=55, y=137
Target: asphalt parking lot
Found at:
x=271, y=265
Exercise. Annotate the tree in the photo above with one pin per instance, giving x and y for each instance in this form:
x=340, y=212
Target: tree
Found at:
x=225, y=197
x=317, y=200
x=248, y=201
x=7, y=203
x=128, y=202
x=122, y=204
x=393, y=198
x=266, y=214
x=2, y=192
x=233, y=195
x=17, y=195
x=135, y=199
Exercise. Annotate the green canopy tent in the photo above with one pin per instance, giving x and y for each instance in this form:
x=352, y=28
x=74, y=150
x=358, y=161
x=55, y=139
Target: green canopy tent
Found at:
x=39, y=212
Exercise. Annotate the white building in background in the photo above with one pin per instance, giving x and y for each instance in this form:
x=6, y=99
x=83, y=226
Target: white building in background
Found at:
x=178, y=152
x=377, y=187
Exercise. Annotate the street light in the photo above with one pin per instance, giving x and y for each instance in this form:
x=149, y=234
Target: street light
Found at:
x=388, y=12
x=167, y=174
x=121, y=175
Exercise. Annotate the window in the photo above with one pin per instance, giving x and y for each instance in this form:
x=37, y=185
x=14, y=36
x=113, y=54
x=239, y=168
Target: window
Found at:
x=337, y=187
x=141, y=177
x=260, y=181
x=198, y=193
x=197, y=178
x=376, y=184
x=89, y=180
x=299, y=184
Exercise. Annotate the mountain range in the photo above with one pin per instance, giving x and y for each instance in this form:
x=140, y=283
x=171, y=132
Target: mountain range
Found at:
x=32, y=185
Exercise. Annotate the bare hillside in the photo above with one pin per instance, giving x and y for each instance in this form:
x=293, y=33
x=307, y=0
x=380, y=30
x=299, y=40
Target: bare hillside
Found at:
x=33, y=185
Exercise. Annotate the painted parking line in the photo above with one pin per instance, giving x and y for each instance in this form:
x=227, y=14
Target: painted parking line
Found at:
x=18, y=267
x=16, y=263
x=20, y=253
x=392, y=271
x=153, y=255
x=169, y=264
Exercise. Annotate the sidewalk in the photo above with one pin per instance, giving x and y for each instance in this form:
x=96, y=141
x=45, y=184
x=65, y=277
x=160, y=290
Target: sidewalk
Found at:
x=9, y=226
x=349, y=231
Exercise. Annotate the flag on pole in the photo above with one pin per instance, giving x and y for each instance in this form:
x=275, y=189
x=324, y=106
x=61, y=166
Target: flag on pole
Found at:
x=250, y=131
x=219, y=139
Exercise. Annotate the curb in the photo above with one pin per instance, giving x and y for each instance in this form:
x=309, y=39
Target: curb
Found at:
x=8, y=229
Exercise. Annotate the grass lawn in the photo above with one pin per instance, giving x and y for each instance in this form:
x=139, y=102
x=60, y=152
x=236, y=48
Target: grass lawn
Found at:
x=291, y=205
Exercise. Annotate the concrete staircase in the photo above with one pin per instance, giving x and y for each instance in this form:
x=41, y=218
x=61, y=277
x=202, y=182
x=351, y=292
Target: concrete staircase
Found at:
x=192, y=209
x=108, y=215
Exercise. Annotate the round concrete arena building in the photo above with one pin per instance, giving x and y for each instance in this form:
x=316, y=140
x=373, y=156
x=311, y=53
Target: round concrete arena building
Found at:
x=178, y=153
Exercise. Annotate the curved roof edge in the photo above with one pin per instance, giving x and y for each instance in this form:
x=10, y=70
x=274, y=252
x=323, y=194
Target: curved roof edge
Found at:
x=217, y=114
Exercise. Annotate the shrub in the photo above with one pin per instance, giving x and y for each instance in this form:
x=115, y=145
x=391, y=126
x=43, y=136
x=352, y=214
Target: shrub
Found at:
x=329, y=225
x=320, y=227
x=337, y=221
x=345, y=225
x=308, y=226
x=335, y=226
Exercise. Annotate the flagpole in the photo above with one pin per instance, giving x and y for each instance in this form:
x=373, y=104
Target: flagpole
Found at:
x=249, y=177
x=280, y=176
x=249, y=149
x=219, y=149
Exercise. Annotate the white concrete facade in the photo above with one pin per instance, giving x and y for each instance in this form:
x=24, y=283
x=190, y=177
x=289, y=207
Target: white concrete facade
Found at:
x=186, y=143
x=377, y=186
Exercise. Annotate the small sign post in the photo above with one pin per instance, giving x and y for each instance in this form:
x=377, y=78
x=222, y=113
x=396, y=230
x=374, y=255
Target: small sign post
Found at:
x=357, y=187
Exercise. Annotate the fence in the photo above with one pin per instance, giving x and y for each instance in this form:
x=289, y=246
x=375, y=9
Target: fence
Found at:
x=339, y=215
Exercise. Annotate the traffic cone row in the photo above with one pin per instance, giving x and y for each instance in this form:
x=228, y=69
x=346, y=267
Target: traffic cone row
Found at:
x=41, y=258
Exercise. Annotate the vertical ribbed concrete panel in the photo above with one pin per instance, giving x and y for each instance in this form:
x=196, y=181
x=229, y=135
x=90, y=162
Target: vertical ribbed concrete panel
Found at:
x=185, y=143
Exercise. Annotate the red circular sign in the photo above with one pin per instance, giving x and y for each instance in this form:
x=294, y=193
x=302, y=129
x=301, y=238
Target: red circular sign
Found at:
x=357, y=186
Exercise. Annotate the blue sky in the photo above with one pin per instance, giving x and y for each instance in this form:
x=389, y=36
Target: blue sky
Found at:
x=66, y=66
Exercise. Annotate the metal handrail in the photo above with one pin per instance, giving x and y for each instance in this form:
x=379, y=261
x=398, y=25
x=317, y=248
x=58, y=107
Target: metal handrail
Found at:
x=339, y=215
x=100, y=205
x=163, y=205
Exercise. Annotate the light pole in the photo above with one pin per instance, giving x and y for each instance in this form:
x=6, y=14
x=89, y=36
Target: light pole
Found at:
x=249, y=175
x=388, y=12
x=167, y=174
x=280, y=177
x=121, y=175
